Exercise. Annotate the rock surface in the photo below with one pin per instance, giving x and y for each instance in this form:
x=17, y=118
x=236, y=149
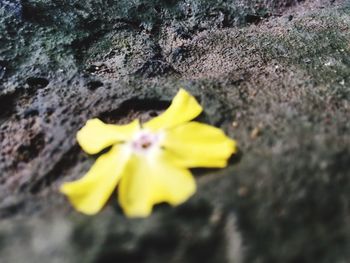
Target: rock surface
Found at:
x=275, y=75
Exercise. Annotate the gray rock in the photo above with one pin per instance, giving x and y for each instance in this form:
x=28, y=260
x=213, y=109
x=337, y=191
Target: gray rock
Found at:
x=273, y=74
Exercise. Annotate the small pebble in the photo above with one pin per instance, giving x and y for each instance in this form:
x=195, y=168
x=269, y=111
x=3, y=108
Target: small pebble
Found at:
x=255, y=133
x=242, y=191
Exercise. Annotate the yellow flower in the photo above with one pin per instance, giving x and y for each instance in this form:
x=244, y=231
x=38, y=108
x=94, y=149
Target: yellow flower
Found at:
x=149, y=162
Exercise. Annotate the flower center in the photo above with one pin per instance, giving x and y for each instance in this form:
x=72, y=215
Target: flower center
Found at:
x=145, y=140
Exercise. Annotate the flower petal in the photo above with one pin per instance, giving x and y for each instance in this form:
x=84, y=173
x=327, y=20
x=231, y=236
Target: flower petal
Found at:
x=151, y=181
x=183, y=108
x=96, y=135
x=89, y=194
x=198, y=145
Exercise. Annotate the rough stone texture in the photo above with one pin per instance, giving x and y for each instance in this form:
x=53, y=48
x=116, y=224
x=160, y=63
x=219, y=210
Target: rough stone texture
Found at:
x=275, y=75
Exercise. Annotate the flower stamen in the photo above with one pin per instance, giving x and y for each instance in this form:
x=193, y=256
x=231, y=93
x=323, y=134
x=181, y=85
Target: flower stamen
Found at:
x=145, y=140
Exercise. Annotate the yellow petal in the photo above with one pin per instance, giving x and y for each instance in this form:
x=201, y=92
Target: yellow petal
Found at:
x=183, y=108
x=96, y=135
x=149, y=181
x=198, y=145
x=89, y=194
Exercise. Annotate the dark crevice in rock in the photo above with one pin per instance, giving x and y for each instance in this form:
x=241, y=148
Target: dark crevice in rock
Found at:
x=11, y=208
x=133, y=108
x=37, y=82
x=8, y=103
x=31, y=112
x=254, y=18
x=95, y=84
x=36, y=13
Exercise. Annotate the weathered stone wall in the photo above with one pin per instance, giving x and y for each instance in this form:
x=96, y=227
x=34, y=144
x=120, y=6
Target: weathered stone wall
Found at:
x=273, y=74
